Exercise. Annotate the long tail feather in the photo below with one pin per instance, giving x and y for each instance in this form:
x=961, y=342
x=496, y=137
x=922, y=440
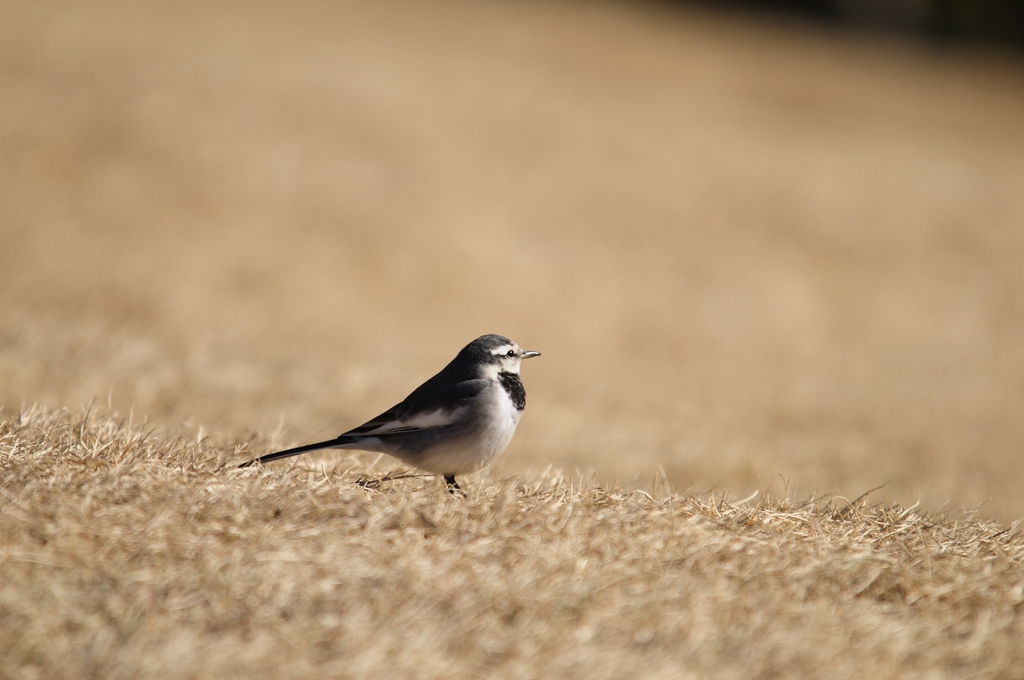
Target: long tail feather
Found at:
x=288, y=453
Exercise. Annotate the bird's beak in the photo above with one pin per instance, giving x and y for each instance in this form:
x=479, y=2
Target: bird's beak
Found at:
x=527, y=354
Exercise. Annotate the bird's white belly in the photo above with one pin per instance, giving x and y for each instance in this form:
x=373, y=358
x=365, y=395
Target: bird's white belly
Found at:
x=498, y=424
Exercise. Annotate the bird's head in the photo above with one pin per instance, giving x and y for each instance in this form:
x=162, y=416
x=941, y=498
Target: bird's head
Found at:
x=496, y=354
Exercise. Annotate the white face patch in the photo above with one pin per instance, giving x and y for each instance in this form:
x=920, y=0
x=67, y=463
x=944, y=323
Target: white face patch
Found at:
x=505, y=363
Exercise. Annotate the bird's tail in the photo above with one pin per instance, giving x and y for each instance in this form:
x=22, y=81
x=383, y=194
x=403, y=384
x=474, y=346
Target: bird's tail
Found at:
x=288, y=453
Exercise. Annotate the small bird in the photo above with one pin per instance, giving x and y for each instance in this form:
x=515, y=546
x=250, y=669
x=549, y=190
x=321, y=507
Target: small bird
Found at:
x=455, y=423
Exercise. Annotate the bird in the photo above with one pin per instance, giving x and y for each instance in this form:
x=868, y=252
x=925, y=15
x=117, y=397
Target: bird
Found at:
x=455, y=423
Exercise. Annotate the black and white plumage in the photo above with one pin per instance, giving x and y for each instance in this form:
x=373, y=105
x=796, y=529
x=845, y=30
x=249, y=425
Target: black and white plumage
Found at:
x=456, y=422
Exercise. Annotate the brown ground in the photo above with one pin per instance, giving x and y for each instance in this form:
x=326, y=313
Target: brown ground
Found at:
x=751, y=253
x=127, y=555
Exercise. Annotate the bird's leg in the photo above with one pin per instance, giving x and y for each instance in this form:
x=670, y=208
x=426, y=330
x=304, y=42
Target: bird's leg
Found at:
x=453, y=486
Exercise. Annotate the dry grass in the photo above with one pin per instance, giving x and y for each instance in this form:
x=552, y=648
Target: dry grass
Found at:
x=128, y=554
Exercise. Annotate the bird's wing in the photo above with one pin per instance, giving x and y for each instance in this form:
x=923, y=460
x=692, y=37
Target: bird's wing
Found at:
x=422, y=410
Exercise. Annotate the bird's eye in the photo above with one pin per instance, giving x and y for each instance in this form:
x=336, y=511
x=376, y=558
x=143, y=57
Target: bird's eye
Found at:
x=511, y=353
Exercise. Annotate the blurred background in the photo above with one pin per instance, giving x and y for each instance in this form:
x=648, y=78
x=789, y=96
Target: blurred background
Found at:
x=758, y=247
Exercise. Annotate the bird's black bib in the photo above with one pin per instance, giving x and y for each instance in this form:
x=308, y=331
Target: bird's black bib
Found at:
x=514, y=386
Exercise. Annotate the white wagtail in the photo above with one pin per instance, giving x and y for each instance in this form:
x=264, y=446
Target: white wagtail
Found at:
x=455, y=423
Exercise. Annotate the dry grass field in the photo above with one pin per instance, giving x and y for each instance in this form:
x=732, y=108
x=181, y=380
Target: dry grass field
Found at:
x=127, y=555
x=762, y=259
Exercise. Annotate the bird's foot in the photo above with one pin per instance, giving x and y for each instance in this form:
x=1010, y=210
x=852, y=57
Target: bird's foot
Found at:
x=453, y=486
